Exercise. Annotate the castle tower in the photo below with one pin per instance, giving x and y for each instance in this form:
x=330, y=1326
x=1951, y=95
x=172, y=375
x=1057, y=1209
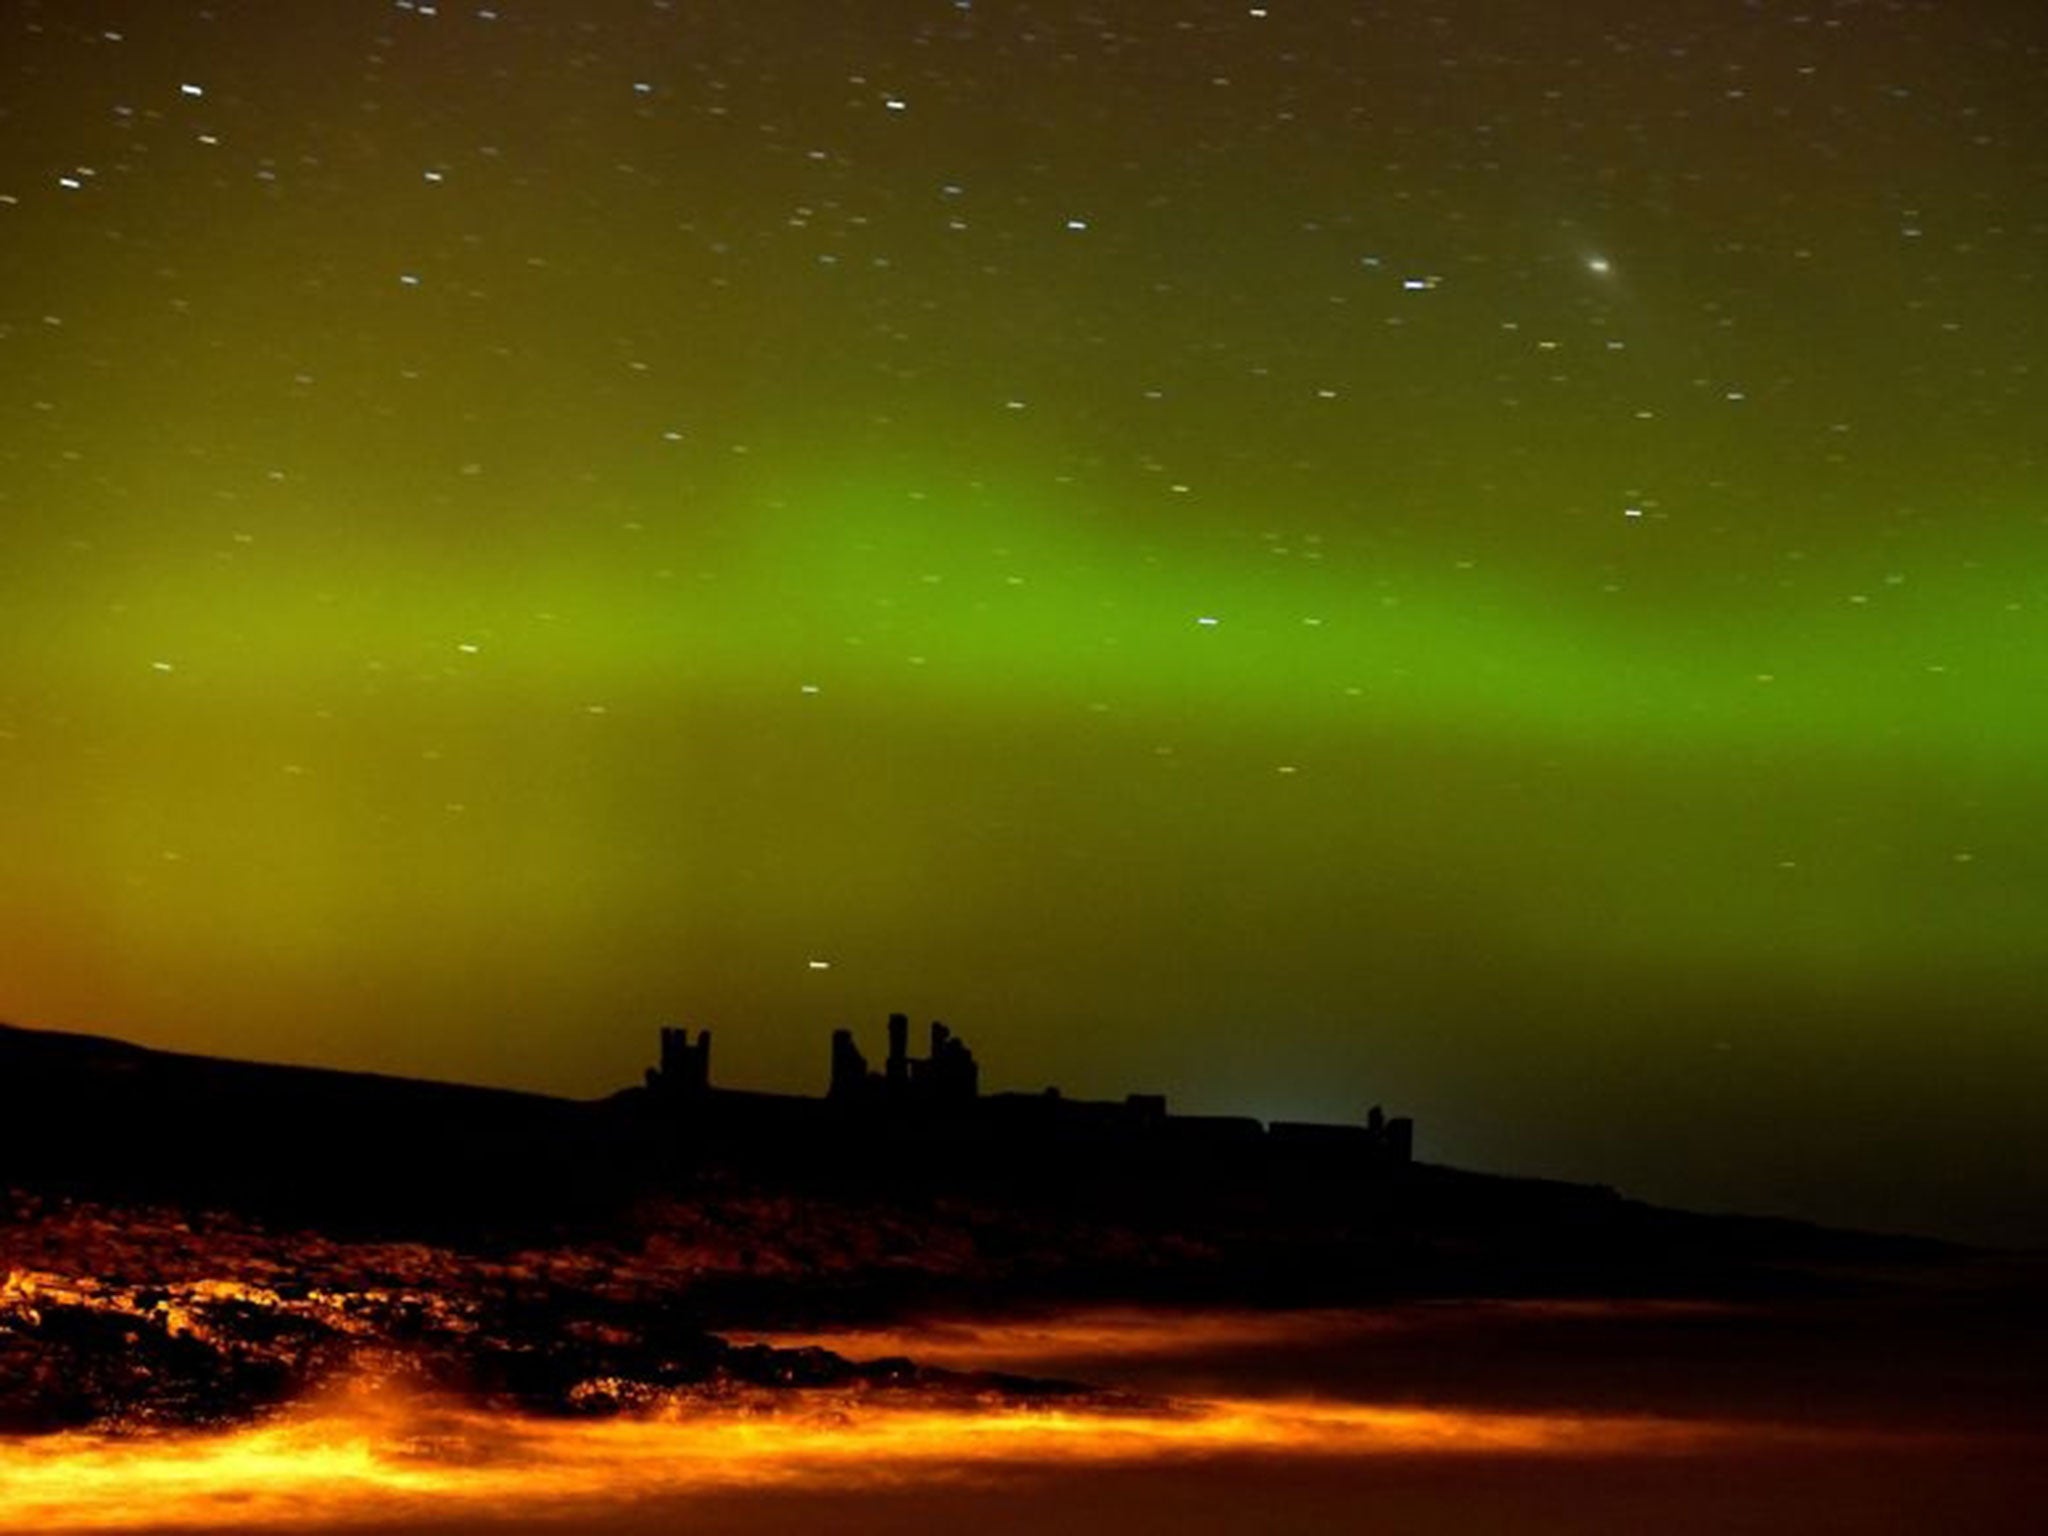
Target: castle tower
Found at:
x=685, y=1069
x=899, y=1051
x=1401, y=1140
x=849, y=1067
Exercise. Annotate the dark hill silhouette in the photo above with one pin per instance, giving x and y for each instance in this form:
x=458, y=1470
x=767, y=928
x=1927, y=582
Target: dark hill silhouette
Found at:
x=103, y=1117
x=1327, y=1210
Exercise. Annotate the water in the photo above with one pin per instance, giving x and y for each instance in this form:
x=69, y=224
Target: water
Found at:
x=1534, y=1417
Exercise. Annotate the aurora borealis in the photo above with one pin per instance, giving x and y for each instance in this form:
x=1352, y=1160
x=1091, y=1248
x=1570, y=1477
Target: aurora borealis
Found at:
x=1484, y=557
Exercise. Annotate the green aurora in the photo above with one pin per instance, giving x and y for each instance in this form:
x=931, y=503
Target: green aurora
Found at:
x=1488, y=566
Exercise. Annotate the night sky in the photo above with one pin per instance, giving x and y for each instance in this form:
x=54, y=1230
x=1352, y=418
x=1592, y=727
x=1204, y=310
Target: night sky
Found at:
x=1490, y=557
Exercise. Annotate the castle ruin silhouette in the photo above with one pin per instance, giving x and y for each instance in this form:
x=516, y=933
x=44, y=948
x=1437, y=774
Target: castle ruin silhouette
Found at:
x=921, y=1105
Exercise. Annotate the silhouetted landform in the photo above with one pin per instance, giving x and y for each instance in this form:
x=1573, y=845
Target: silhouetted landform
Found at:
x=102, y=1117
x=1206, y=1202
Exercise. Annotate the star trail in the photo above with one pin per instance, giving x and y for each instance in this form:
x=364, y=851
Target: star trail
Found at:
x=1479, y=556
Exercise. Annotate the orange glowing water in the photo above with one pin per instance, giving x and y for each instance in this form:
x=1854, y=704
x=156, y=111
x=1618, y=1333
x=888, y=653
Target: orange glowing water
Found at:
x=379, y=1453
x=376, y=1454
x=1122, y=1333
